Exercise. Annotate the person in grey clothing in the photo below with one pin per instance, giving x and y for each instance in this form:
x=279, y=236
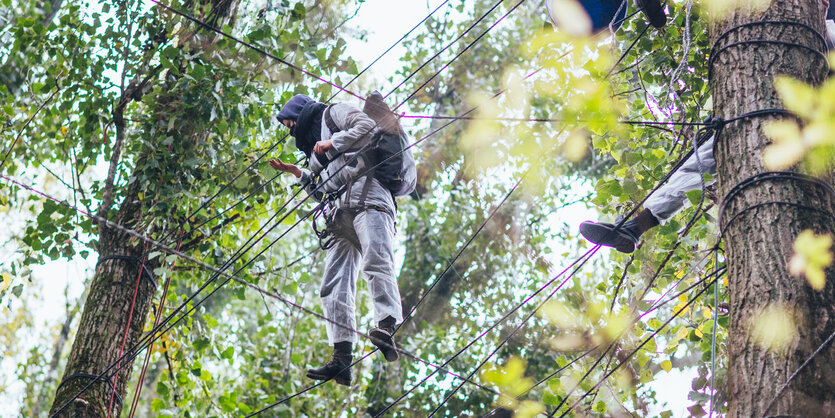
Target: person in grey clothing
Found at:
x=363, y=225
x=659, y=207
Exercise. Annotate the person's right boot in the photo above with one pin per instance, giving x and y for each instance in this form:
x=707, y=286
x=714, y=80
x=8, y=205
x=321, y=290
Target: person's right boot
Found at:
x=383, y=337
x=339, y=368
x=624, y=238
x=654, y=12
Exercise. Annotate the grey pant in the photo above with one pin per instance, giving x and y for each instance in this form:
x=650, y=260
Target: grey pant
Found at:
x=670, y=198
x=375, y=230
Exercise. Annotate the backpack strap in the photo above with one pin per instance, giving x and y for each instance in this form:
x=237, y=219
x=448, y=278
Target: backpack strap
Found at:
x=329, y=121
x=366, y=188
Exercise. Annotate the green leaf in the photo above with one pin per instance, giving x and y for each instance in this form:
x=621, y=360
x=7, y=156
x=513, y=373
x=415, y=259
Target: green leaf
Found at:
x=157, y=405
x=228, y=353
x=200, y=344
x=162, y=389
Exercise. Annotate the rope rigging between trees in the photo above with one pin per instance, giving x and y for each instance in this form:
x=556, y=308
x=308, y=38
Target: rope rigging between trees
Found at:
x=241, y=251
x=232, y=276
x=235, y=257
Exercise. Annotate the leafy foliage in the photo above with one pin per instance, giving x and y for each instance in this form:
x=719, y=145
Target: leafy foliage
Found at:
x=196, y=109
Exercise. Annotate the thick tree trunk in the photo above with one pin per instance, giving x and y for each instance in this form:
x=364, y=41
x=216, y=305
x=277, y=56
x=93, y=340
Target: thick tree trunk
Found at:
x=758, y=240
x=102, y=328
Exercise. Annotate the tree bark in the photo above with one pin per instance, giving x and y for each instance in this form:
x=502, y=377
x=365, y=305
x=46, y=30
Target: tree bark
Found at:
x=758, y=240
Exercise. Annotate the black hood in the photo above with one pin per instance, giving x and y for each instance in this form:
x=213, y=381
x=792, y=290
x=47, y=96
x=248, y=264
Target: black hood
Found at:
x=308, y=129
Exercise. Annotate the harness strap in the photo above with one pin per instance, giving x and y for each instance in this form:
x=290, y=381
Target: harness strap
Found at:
x=329, y=121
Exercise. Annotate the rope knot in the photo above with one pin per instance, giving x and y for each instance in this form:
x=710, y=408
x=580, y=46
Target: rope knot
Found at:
x=714, y=122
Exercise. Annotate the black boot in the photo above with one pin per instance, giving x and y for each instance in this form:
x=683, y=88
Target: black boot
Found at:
x=382, y=337
x=623, y=239
x=654, y=12
x=339, y=368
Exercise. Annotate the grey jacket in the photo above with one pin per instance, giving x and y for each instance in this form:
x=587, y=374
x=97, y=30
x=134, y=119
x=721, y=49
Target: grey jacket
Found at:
x=830, y=34
x=356, y=130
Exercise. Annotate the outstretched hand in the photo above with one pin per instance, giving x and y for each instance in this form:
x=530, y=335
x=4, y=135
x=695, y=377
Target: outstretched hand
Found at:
x=285, y=167
x=322, y=146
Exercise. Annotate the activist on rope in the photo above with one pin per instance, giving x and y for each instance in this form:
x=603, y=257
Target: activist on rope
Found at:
x=359, y=162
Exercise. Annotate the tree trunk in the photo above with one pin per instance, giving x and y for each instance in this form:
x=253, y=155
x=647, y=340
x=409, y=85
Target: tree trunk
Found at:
x=758, y=240
x=102, y=328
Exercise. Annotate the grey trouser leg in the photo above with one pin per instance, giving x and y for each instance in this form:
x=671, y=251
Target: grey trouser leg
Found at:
x=338, y=289
x=375, y=231
x=670, y=198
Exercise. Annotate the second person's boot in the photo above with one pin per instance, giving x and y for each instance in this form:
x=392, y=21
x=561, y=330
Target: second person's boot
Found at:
x=624, y=238
x=654, y=12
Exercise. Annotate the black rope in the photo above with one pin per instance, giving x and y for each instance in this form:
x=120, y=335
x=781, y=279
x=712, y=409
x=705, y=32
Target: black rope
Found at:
x=620, y=223
x=724, y=228
x=715, y=53
x=466, y=48
x=425, y=63
x=772, y=22
x=805, y=363
x=512, y=333
x=764, y=177
x=656, y=305
x=632, y=353
x=584, y=258
x=546, y=378
x=623, y=55
x=461, y=251
x=90, y=376
x=133, y=260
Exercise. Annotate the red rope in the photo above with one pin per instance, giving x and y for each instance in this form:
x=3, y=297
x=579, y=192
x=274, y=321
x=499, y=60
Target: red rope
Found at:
x=127, y=328
x=138, y=390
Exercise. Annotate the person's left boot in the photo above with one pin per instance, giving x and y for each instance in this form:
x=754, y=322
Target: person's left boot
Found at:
x=654, y=12
x=339, y=368
x=383, y=337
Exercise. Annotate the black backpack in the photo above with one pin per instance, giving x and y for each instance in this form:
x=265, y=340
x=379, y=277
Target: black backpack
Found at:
x=389, y=152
